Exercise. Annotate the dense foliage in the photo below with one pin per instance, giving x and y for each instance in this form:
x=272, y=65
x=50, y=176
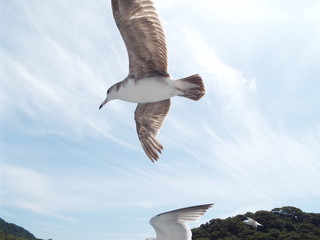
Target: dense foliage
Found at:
x=286, y=223
x=10, y=231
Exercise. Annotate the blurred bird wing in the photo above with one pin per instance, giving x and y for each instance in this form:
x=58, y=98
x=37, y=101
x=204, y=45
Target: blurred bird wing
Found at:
x=259, y=224
x=173, y=224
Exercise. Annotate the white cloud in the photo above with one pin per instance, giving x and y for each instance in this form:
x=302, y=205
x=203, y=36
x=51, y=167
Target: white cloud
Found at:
x=56, y=83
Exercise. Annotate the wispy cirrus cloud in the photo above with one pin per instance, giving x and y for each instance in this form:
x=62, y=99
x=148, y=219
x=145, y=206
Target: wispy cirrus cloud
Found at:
x=53, y=81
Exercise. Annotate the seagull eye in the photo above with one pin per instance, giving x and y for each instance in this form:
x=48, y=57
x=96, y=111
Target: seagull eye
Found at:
x=108, y=91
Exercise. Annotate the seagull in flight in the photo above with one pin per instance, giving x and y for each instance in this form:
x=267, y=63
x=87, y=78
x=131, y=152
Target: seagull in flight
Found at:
x=253, y=223
x=148, y=83
x=173, y=225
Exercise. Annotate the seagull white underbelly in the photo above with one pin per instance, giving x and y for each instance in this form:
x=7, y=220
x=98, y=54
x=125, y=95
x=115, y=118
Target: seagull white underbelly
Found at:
x=147, y=90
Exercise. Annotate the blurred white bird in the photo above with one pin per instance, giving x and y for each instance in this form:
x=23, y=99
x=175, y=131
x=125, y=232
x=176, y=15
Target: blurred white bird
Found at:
x=173, y=225
x=253, y=223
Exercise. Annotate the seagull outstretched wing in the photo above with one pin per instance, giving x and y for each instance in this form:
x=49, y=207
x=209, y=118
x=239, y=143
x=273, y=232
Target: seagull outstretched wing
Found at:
x=173, y=224
x=149, y=118
x=142, y=33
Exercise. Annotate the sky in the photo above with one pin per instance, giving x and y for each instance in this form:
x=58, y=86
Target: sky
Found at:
x=71, y=171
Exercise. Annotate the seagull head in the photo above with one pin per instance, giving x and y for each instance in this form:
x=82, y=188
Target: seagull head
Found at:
x=111, y=94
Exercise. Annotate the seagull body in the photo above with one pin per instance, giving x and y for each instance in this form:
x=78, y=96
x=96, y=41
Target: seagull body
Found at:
x=148, y=83
x=152, y=89
x=173, y=225
x=253, y=223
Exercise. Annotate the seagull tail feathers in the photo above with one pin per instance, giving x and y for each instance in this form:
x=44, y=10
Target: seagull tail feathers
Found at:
x=192, y=87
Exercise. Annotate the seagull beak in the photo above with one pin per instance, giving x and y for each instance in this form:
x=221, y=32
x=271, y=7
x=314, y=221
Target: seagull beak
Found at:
x=103, y=103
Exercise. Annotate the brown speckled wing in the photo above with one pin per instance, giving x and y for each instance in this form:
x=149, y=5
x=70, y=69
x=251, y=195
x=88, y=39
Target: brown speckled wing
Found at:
x=149, y=118
x=142, y=33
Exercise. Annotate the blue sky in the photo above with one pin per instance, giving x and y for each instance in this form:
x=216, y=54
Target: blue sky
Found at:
x=70, y=171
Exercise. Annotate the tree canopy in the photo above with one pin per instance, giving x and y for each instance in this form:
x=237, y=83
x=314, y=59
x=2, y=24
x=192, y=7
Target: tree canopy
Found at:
x=286, y=223
x=10, y=231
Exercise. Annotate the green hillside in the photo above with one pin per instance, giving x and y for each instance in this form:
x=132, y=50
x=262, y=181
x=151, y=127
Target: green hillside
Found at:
x=10, y=231
x=286, y=223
